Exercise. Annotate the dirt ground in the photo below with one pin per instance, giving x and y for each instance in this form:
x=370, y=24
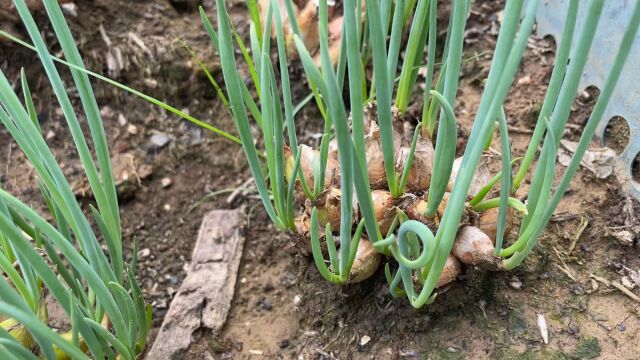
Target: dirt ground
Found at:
x=282, y=307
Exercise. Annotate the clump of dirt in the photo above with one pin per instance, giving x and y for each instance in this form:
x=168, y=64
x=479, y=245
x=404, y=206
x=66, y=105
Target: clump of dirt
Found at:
x=282, y=307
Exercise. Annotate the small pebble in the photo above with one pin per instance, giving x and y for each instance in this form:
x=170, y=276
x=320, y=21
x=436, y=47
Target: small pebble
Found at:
x=70, y=9
x=106, y=111
x=577, y=289
x=525, y=80
x=297, y=300
x=172, y=279
x=451, y=349
x=573, y=328
x=364, y=340
x=166, y=182
x=627, y=283
x=158, y=141
x=544, y=276
x=621, y=327
x=516, y=283
x=132, y=129
x=408, y=353
x=50, y=135
x=144, y=171
x=143, y=253
x=266, y=305
x=166, y=207
x=288, y=279
x=122, y=121
x=152, y=83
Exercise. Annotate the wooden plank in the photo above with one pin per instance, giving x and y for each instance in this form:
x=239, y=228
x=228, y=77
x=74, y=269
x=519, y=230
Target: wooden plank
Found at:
x=205, y=295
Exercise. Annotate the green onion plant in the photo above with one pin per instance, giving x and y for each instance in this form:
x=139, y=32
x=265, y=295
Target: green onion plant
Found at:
x=420, y=237
x=381, y=183
x=64, y=258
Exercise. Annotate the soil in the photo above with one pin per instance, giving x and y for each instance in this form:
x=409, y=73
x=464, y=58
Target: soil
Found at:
x=617, y=134
x=282, y=307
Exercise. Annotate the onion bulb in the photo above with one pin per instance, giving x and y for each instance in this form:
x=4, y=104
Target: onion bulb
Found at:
x=328, y=205
x=383, y=204
x=373, y=147
x=365, y=263
x=415, y=207
x=452, y=269
x=488, y=222
x=306, y=13
x=443, y=204
x=308, y=158
x=473, y=247
x=375, y=158
x=419, y=176
x=481, y=175
x=19, y=332
x=303, y=224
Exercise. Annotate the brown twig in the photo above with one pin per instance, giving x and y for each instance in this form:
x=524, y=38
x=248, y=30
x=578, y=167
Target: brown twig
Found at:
x=583, y=225
x=626, y=291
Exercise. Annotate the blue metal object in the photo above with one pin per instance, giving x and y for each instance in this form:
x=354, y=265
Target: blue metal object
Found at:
x=625, y=101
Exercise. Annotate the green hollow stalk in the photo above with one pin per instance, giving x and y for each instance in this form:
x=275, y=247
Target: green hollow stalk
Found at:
x=427, y=121
x=395, y=39
x=402, y=247
x=505, y=189
x=546, y=161
x=445, y=151
x=342, y=59
x=415, y=46
x=587, y=135
x=268, y=105
x=247, y=97
x=106, y=194
x=557, y=76
x=78, y=137
x=497, y=88
x=406, y=267
x=284, y=79
x=91, y=282
x=133, y=91
x=482, y=193
x=498, y=203
x=234, y=92
x=404, y=178
x=273, y=128
x=338, y=113
x=255, y=19
x=383, y=94
x=560, y=114
x=356, y=96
